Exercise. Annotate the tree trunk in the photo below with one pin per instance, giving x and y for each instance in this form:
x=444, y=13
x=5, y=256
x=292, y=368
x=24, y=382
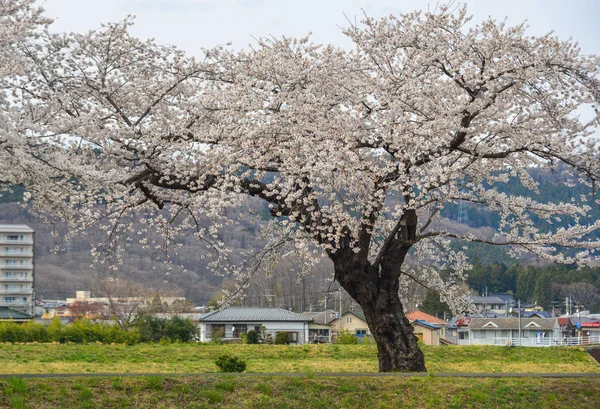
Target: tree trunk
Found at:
x=377, y=294
x=396, y=342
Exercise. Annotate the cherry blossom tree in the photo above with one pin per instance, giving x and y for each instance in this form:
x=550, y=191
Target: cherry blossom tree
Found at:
x=355, y=153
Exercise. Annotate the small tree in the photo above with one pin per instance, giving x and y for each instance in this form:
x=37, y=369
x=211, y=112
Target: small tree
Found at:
x=346, y=338
x=251, y=337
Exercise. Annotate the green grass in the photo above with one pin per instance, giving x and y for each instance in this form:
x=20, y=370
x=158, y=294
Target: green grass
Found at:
x=284, y=392
x=310, y=359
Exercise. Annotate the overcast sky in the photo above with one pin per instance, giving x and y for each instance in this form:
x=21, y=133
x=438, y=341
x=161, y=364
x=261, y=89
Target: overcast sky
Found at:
x=196, y=24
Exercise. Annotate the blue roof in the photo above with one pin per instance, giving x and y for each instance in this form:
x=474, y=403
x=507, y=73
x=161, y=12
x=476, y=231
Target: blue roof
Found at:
x=254, y=314
x=426, y=324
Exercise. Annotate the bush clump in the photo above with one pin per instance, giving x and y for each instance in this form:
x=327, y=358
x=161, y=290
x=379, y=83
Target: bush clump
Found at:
x=346, y=338
x=282, y=338
x=228, y=363
x=153, y=329
x=81, y=331
x=252, y=337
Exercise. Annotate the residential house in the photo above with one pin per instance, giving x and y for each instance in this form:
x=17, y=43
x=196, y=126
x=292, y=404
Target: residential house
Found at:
x=16, y=267
x=352, y=321
x=494, y=304
x=232, y=323
x=567, y=328
x=459, y=333
x=319, y=330
x=585, y=326
x=12, y=314
x=428, y=333
x=419, y=315
x=503, y=331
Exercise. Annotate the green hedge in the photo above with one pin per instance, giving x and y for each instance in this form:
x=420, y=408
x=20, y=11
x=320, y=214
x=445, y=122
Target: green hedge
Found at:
x=80, y=331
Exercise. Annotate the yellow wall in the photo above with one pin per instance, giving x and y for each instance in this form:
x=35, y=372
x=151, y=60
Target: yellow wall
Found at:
x=350, y=323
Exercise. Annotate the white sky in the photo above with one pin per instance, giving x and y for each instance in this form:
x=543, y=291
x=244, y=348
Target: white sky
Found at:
x=195, y=24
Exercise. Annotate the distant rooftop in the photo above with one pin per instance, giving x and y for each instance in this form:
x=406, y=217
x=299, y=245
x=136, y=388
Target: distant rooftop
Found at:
x=254, y=314
x=7, y=313
x=15, y=228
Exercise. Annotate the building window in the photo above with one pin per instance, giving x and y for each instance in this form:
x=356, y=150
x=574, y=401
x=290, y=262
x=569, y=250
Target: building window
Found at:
x=15, y=250
x=479, y=335
x=15, y=237
x=360, y=332
x=10, y=299
x=239, y=330
x=292, y=337
x=348, y=320
x=14, y=262
x=217, y=330
x=15, y=274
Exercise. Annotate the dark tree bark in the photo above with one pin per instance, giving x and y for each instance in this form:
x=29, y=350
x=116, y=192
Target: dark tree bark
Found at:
x=376, y=291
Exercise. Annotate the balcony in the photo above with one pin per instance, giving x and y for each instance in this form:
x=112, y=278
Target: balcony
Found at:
x=27, y=240
x=4, y=253
x=28, y=279
x=15, y=304
x=24, y=266
x=4, y=292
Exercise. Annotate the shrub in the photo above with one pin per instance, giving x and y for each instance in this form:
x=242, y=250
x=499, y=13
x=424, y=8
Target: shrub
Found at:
x=281, y=338
x=80, y=331
x=228, y=363
x=154, y=329
x=346, y=338
x=252, y=337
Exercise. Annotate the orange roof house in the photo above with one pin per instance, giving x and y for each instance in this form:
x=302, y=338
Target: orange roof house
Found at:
x=418, y=315
x=423, y=316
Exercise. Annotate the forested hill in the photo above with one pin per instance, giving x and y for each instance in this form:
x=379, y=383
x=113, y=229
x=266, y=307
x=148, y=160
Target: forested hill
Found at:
x=60, y=274
x=551, y=189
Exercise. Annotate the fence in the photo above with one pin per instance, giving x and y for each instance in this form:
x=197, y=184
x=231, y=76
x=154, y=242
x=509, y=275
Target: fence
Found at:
x=538, y=341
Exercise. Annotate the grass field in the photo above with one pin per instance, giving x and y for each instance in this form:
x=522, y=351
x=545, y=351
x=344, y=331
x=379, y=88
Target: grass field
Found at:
x=191, y=358
x=304, y=390
x=213, y=391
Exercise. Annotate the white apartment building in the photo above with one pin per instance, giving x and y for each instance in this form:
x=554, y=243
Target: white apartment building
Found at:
x=16, y=267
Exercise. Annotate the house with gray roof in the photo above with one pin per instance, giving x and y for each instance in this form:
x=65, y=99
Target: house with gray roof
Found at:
x=320, y=329
x=495, y=304
x=232, y=323
x=503, y=331
x=12, y=314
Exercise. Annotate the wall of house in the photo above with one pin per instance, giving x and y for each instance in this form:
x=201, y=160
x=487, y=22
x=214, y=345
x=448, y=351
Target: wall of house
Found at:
x=350, y=323
x=429, y=336
x=271, y=328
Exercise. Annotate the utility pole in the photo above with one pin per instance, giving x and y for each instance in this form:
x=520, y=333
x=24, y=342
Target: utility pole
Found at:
x=519, y=306
x=340, y=298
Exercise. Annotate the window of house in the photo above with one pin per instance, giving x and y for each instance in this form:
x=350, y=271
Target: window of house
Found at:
x=360, y=332
x=348, y=320
x=463, y=335
x=240, y=330
x=292, y=337
x=479, y=335
x=10, y=299
x=218, y=330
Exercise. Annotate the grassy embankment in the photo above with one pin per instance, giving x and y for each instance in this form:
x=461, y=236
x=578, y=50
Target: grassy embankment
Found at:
x=213, y=391
x=189, y=358
x=302, y=391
